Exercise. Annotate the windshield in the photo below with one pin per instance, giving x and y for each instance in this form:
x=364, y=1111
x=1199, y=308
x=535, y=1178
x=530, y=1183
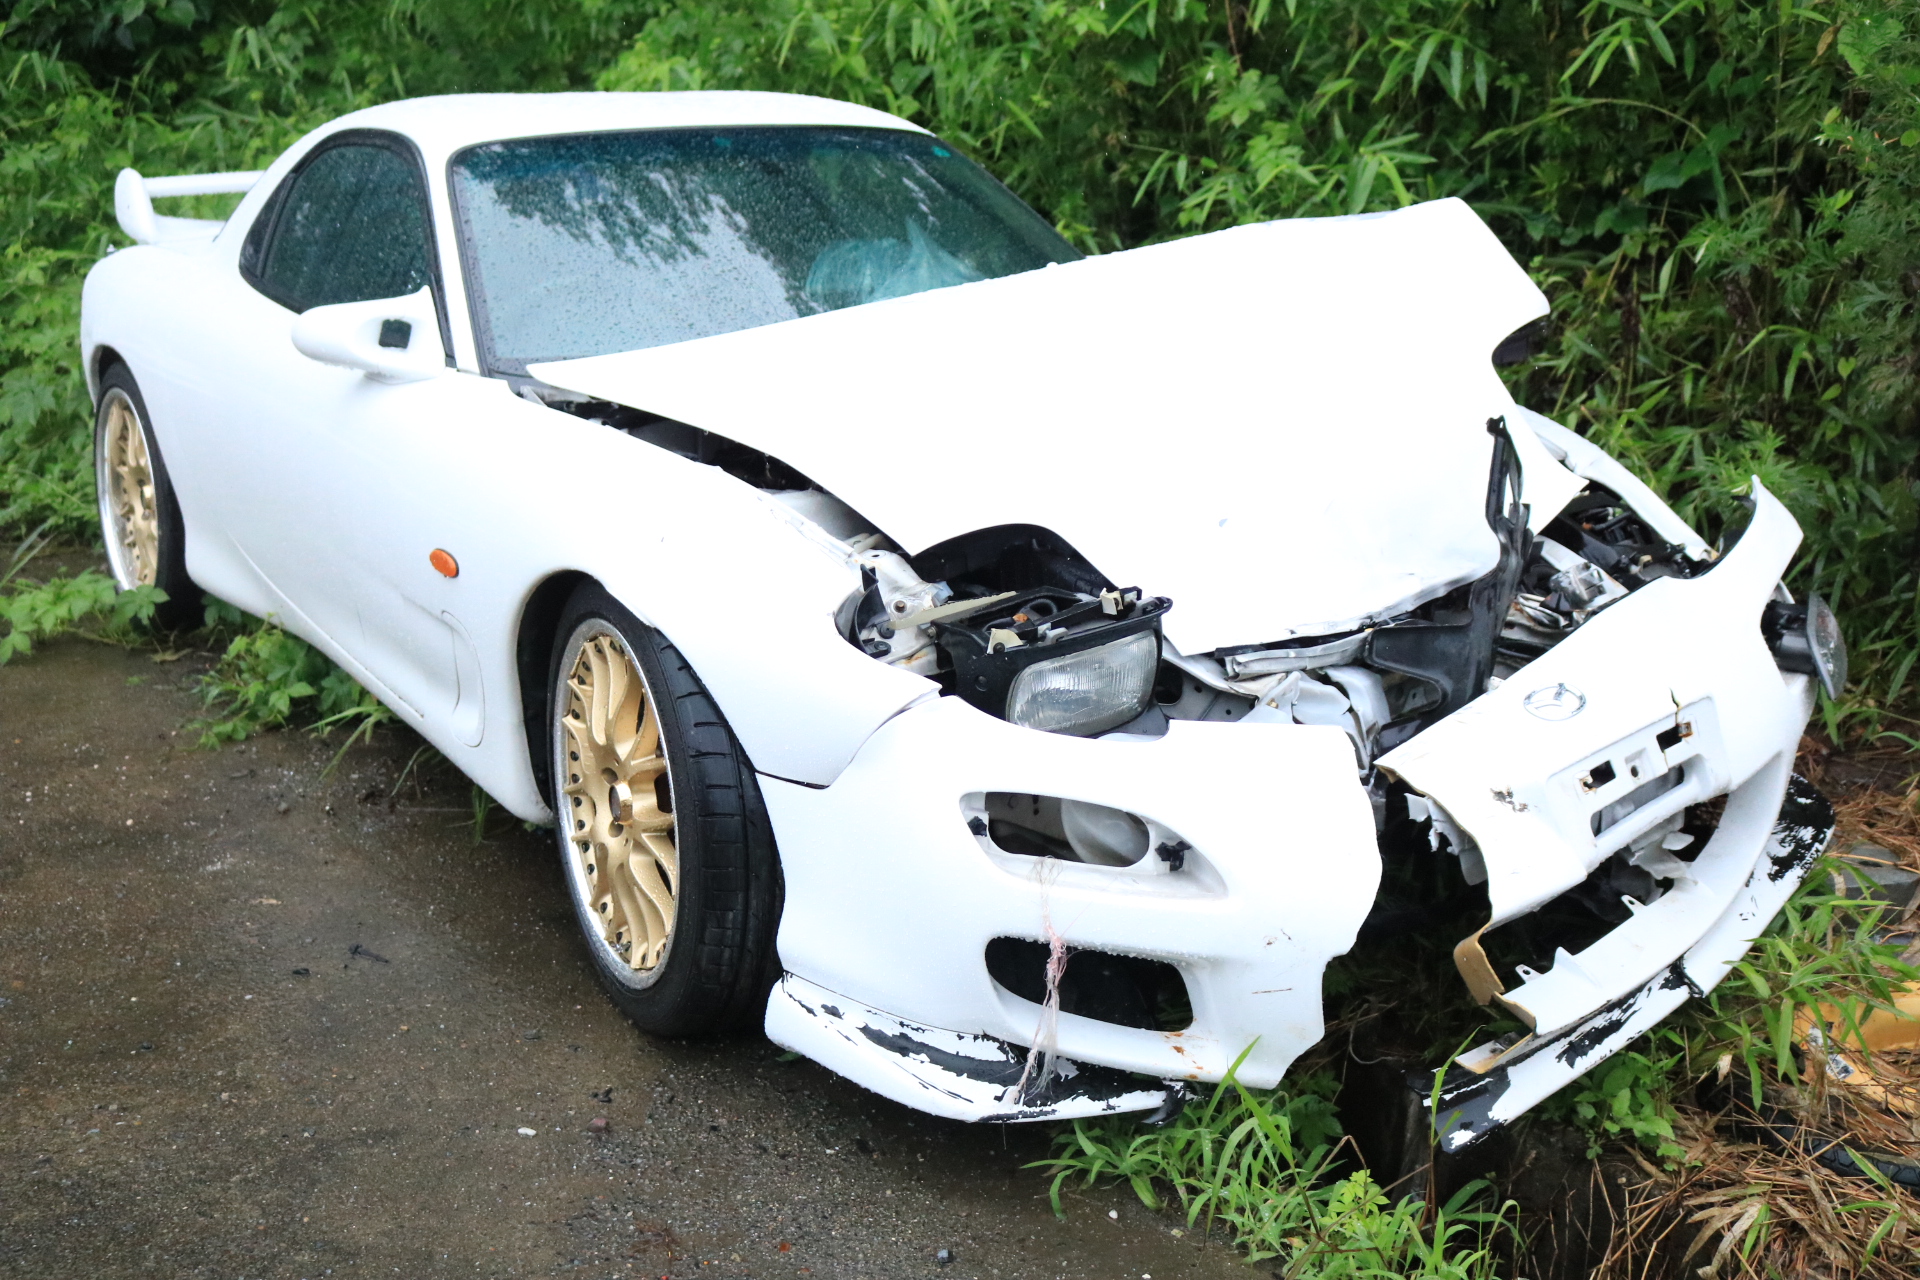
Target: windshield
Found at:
x=592, y=243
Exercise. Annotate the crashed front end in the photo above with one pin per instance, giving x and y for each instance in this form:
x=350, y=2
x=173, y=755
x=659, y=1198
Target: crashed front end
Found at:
x=1087, y=920
x=1186, y=724
x=1639, y=772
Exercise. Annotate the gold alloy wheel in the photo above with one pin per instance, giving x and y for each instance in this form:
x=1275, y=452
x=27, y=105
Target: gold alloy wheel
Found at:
x=127, y=496
x=624, y=861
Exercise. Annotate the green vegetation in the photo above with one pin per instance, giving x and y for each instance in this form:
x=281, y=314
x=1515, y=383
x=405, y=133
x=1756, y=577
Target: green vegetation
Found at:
x=266, y=678
x=1261, y=1164
x=1722, y=199
x=84, y=604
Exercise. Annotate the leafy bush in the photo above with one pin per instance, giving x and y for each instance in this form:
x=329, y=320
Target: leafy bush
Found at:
x=1628, y=1096
x=267, y=678
x=1720, y=198
x=86, y=603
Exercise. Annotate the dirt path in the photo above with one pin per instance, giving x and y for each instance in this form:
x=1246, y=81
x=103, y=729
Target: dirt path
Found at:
x=257, y=1022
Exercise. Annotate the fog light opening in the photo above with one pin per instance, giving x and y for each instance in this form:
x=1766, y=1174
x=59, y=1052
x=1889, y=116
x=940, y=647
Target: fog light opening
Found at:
x=1098, y=835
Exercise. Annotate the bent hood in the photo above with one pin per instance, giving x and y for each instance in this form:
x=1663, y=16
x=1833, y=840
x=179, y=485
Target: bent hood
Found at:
x=1281, y=426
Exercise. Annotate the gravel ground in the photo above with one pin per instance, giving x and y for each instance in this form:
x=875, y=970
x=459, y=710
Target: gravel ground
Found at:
x=257, y=1020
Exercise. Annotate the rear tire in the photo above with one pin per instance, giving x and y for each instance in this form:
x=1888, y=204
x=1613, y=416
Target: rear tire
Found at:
x=139, y=515
x=664, y=840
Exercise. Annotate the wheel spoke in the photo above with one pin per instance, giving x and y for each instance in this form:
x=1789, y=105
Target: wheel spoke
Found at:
x=626, y=870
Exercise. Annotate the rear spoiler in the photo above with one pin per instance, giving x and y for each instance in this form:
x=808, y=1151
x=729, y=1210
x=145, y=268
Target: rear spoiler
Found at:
x=133, y=198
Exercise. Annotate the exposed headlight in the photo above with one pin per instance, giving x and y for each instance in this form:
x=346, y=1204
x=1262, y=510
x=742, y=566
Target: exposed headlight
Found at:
x=1088, y=691
x=1806, y=638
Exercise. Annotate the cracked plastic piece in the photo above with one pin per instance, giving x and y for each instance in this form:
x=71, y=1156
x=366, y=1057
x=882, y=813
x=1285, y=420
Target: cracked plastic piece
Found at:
x=948, y=1073
x=1490, y=1088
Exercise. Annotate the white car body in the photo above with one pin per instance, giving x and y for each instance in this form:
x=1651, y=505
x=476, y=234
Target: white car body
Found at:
x=1283, y=428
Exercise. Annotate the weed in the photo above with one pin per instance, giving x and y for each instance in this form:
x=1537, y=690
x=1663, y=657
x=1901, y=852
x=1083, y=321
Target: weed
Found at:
x=1262, y=1164
x=267, y=678
x=85, y=604
x=1628, y=1097
x=482, y=810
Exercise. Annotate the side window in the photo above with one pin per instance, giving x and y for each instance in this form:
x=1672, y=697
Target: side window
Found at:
x=349, y=226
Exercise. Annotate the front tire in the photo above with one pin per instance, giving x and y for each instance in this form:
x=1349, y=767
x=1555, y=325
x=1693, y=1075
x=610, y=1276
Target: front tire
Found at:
x=139, y=515
x=664, y=841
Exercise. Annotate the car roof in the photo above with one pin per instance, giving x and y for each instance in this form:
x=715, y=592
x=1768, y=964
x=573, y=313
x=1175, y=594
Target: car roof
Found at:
x=444, y=124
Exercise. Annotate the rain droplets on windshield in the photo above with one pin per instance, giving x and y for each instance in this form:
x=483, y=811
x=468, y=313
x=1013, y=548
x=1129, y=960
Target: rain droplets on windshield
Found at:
x=591, y=243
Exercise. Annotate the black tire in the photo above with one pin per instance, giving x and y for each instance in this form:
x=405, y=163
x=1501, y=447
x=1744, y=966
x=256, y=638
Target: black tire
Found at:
x=181, y=609
x=720, y=959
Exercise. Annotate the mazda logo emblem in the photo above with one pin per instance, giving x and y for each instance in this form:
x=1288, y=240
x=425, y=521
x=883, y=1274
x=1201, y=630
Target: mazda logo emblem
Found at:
x=1556, y=702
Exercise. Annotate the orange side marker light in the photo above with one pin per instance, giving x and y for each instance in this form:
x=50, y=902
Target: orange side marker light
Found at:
x=446, y=564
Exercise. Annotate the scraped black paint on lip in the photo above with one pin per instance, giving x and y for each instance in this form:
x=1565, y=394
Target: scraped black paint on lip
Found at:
x=1088, y=1083
x=1003, y=1072
x=1465, y=1110
x=1610, y=1017
x=1084, y=1083
x=1801, y=832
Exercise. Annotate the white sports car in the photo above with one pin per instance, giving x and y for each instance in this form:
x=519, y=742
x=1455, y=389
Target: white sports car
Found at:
x=1010, y=675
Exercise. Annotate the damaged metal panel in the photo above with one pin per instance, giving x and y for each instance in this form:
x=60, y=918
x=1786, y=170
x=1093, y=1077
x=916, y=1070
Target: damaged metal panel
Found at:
x=1510, y=767
x=1363, y=344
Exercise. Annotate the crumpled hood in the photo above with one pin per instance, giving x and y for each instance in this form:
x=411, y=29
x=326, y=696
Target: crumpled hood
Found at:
x=1281, y=426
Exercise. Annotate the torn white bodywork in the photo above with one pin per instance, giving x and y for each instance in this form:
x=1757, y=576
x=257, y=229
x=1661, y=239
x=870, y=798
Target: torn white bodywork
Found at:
x=1268, y=893
x=1068, y=397
x=1350, y=590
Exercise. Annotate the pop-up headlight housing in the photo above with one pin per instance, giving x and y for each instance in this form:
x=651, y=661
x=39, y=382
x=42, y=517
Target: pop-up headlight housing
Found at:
x=1059, y=661
x=1806, y=638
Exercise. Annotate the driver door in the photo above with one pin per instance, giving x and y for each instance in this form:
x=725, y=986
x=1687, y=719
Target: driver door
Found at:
x=310, y=456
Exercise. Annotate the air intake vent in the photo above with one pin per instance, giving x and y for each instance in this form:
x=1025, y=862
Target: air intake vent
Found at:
x=1125, y=990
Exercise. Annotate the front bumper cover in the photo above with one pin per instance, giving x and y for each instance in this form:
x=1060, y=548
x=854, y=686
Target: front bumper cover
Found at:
x=1469, y=1105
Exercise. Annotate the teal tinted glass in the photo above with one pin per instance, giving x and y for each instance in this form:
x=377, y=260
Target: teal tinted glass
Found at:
x=587, y=244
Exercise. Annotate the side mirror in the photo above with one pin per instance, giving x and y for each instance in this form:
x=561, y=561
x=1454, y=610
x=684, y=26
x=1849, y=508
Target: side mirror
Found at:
x=388, y=339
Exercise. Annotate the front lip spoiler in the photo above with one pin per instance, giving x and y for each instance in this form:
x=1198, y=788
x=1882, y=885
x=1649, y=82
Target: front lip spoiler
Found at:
x=1471, y=1106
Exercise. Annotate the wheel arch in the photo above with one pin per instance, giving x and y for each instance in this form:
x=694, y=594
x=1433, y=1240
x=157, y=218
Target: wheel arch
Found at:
x=532, y=652
x=102, y=358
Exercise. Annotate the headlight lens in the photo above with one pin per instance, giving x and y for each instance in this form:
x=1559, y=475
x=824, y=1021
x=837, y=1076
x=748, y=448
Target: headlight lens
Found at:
x=1829, y=647
x=1806, y=638
x=1089, y=691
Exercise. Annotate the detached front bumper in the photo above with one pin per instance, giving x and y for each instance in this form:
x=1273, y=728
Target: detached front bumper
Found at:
x=1668, y=699
x=1471, y=1104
